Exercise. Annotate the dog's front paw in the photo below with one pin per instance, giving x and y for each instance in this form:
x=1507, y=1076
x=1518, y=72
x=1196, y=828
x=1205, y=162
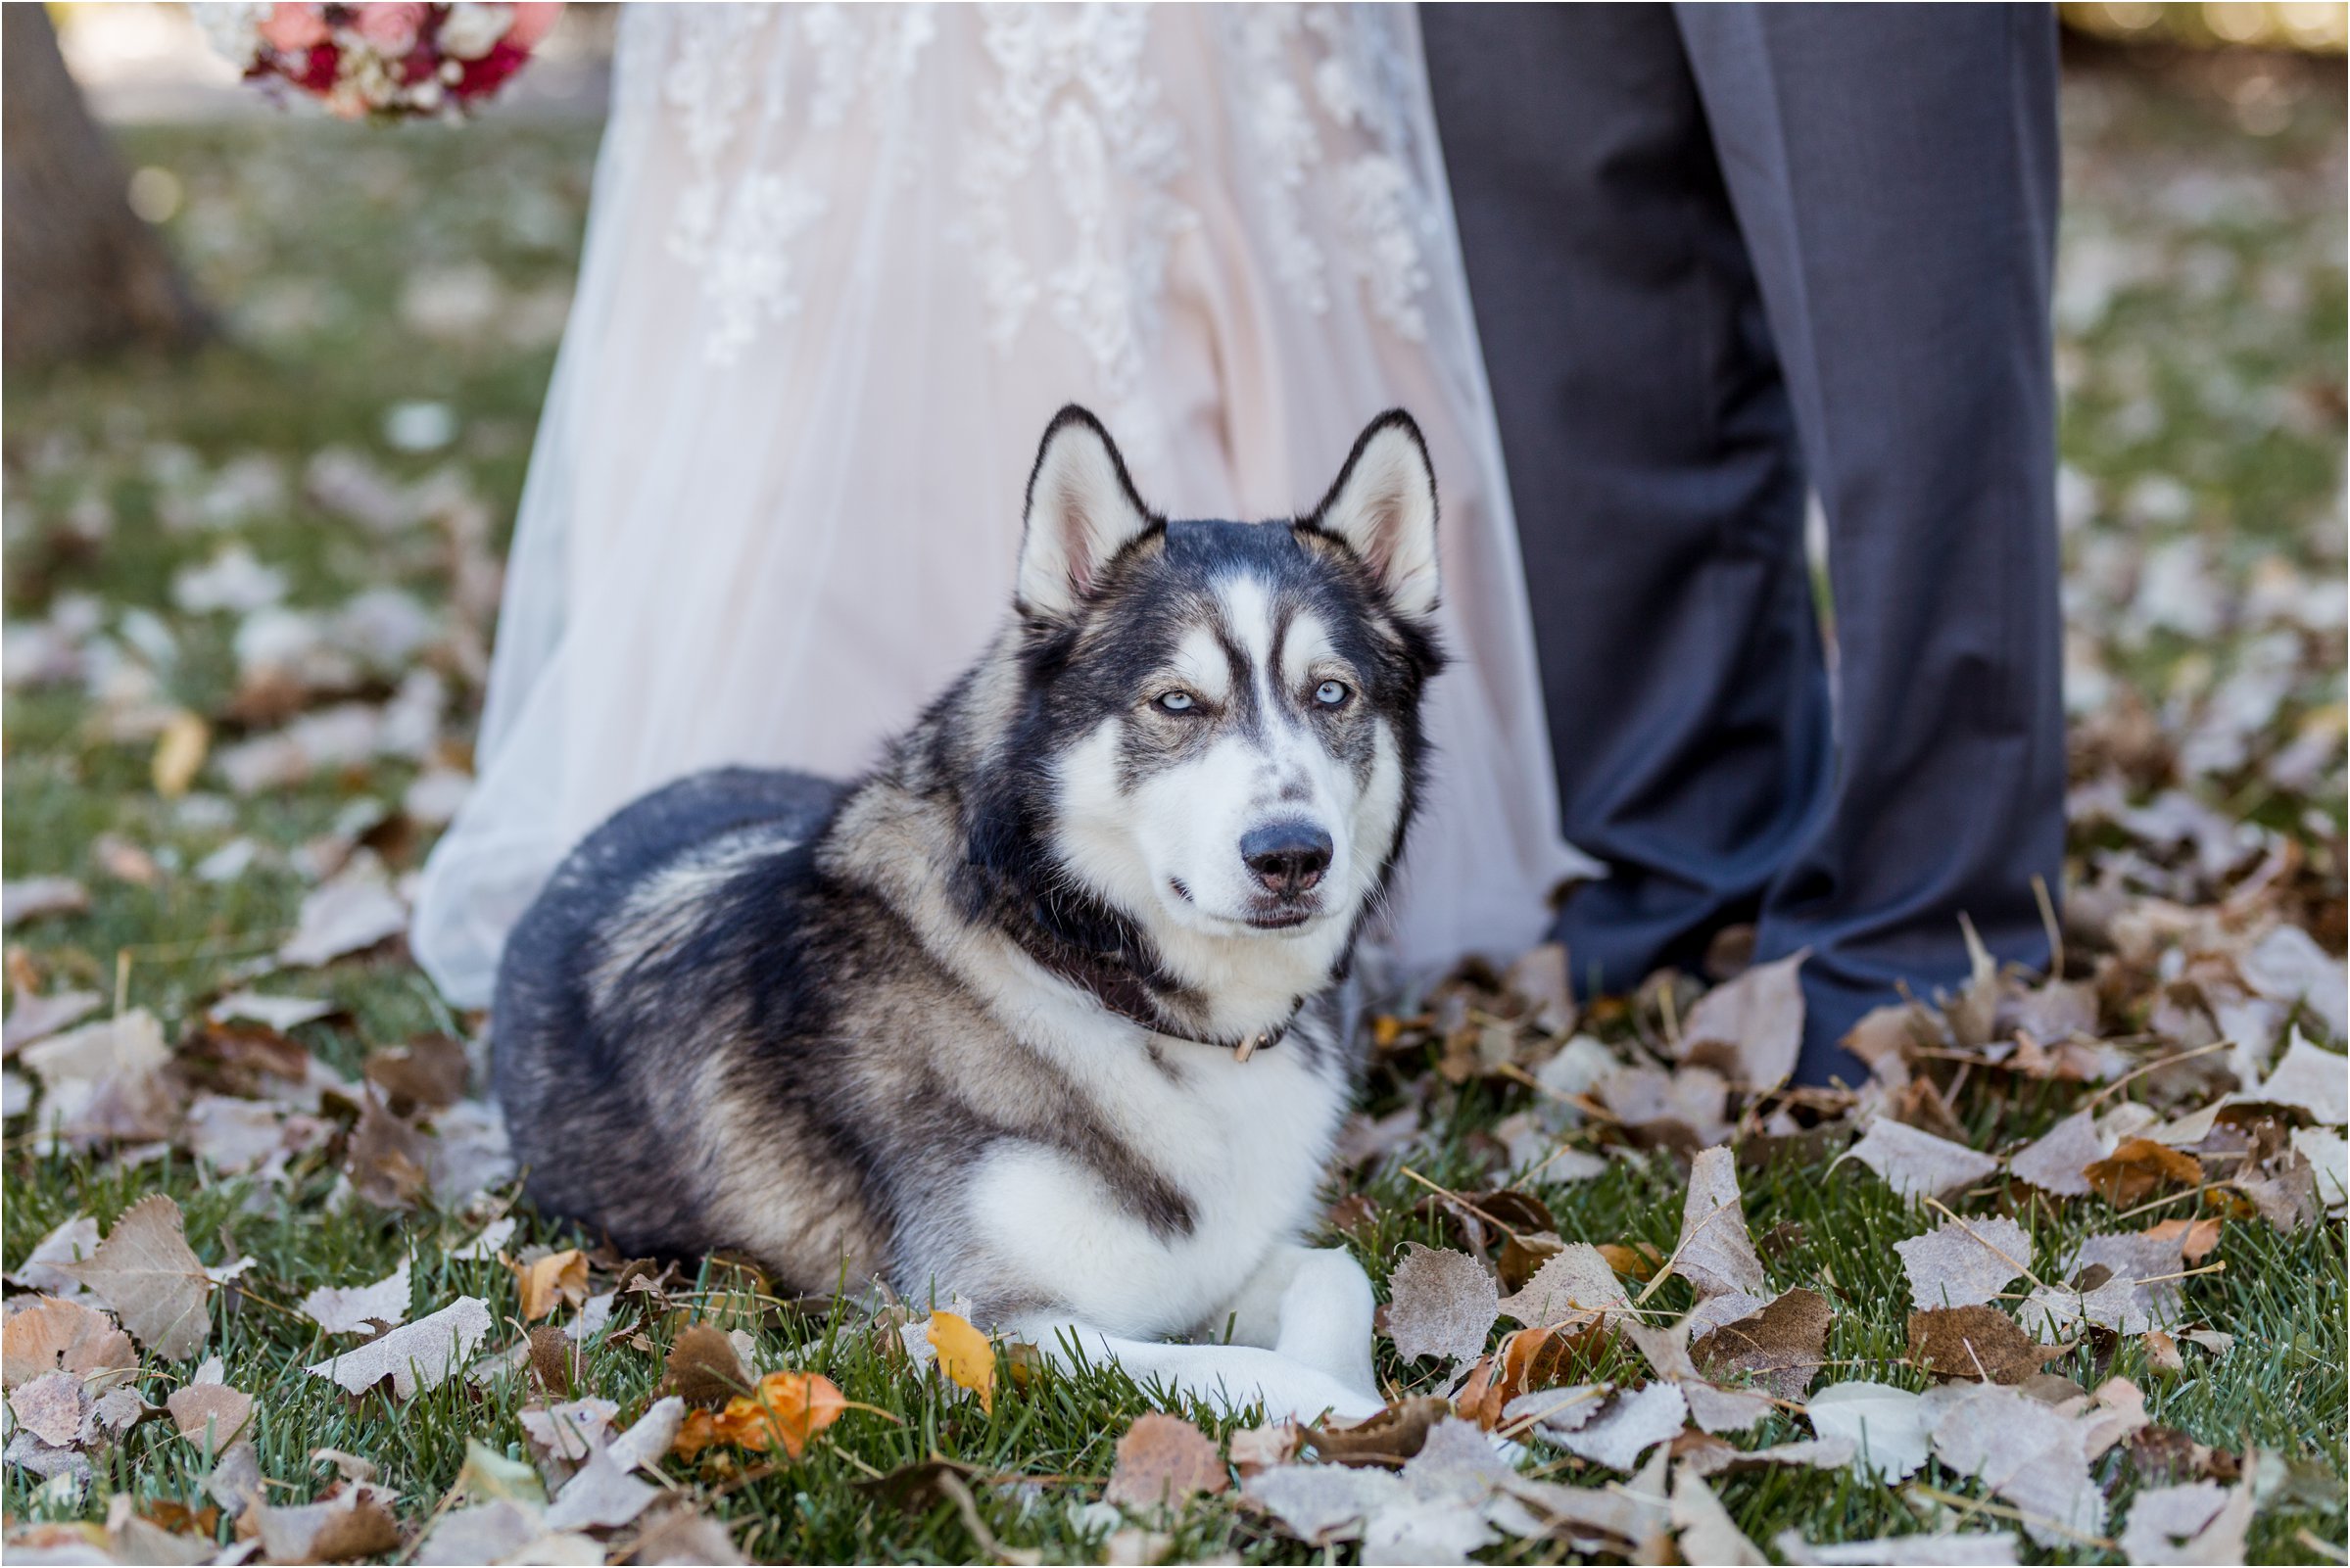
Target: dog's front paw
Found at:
x=1326, y=1319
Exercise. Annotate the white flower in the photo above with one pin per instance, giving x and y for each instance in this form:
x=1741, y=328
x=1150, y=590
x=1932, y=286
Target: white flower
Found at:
x=233, y=27
x=470, y=31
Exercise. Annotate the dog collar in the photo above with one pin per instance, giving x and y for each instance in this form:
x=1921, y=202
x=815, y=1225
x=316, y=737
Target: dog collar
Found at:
x=1118, y=986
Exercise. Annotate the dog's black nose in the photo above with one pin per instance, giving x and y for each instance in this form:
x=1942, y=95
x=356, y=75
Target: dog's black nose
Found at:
x=1288, y=857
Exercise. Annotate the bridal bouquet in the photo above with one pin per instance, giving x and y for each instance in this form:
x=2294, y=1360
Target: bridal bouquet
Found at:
x=391, y=61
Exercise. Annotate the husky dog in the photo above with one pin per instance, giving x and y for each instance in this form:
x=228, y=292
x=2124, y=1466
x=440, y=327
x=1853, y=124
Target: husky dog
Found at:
x=1043, y=1011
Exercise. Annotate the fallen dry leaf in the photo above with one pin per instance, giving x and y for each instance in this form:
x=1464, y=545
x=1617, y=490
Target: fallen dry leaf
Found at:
x=1918, y=1165
x=1573, y=1289
x=1442, y=1302
x=702, y=1367
x=965, y=1358
x=51, y=1408
x=551, y=1278
x=145, y=1271
x=2026, y=1451
x=1964, y=1263
x=1709, y=1535
x=2139, y=1170
x=36, y=1018
x=1163, y=1461
x=104, y=1081
x=420, y=1355
x=350, y=912
x=1974, y=1342
x=605, y=1493
x=60, y=1336
x=1716, y=1253
x=2197, y=1239
x=2056, y=1159
x=1627, y=1428
x=1961, y=1549
x=360, y=1308
x=1781, y=1346
x=429, y=1071
x=1715, y=1409
x=2200, y=1522
x=355, y=1523
x=1884, y=1425
x=70, y=1242
x=37, y=896
x=1752, y=1028
x=179, y=753
x=212, y=1413
x=1392, y=1436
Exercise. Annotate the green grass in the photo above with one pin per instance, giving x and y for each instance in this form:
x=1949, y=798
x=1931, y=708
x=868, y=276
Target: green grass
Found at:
x=303, y=235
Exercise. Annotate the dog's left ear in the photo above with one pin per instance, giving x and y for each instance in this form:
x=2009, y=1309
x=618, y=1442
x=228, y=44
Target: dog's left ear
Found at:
x=1082, y=511
x=1384, y=507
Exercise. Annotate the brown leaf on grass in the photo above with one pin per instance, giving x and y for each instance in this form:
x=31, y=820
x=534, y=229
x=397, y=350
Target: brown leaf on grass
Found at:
x=1752, y=1028
x=551, y=1278
x=1716, y=1253
x=1528, y=1359
x=1716, y=1410
x=1573, y=1289
x=2056, y=1159
x=210, y=1412
x=1442, y=1303
x=1163, y=1461
x=552, y=1353
x=2197, y=1239
x=420, y=1355
x=56, y=1336
x=1964, y=1263
x=679, y=1534
x=1388, y=1438
x=1685, y=1110
x=1918, y=1165
x=51, y=1408
x=389, y=1159
x=350, y=1525
x=360, y=1308
x=145, y=1271
x=428, y=1071
x=1780, y=1345
x=703, y=1369
x=1978, y=1342
x=2139, y=1170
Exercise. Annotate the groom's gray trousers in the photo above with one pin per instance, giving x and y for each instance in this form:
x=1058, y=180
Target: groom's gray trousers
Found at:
x=1722, y=256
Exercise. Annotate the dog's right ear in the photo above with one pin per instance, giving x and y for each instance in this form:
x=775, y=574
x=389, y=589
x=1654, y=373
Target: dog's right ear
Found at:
x=1082, y=511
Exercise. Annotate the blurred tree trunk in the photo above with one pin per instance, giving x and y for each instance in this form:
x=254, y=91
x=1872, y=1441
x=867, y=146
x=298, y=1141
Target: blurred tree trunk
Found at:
x=79, y=270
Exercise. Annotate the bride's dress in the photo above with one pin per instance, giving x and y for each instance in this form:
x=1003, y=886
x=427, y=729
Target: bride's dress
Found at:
x=842, y=263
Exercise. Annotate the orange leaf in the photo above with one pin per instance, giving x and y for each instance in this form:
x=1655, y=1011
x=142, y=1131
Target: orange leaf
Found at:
x=789, y=1409
x=2139, y=1169
x=964, y=1356
x=557, y=1277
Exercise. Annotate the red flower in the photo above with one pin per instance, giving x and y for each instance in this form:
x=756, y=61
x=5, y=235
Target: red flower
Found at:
x=484, y=74
x=317, y=69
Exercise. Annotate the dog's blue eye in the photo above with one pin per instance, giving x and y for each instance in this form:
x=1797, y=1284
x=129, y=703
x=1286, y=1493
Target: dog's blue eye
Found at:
x=1177, y=701
x=1330, y=693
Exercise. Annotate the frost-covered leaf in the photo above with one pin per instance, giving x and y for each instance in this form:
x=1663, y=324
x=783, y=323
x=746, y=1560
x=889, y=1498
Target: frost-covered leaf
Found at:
x=2025, y=1450
x=2328, y=1159
x=1321, y=1504
x=2056, y=1159
x=2200, y=1522
x=71, y=1241
x=1163, y=1461
x=51, y=1408
x=280, y=1013
x=105, y=1080
x=2287, y=965
x=360, y=1308
x=351, y=912
x=355, y=1523
x=1442, y=1303
x=1752, y=1028
x=486, y=1246
x=1918, y=1165
x=210, y=1412
x=1715, y=1254
x=1964, y=1263
x=2309, y=1079
x=1963, y=1548
x=36, y=896
x=1574, y=1287
x=420, y=1356
x=145, y=1271
x=2126, y=1281
x=605, y=1493
x=36, y=1018
x=1883, y=1424
x=1709, y=1535
x=1628, y=1428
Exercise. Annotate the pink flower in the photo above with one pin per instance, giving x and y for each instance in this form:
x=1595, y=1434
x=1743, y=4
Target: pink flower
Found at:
x=532, y=22
x=390, y=28
x=291, y=28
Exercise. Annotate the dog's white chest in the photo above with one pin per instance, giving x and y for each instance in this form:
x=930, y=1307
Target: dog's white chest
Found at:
x=1242, y=1143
